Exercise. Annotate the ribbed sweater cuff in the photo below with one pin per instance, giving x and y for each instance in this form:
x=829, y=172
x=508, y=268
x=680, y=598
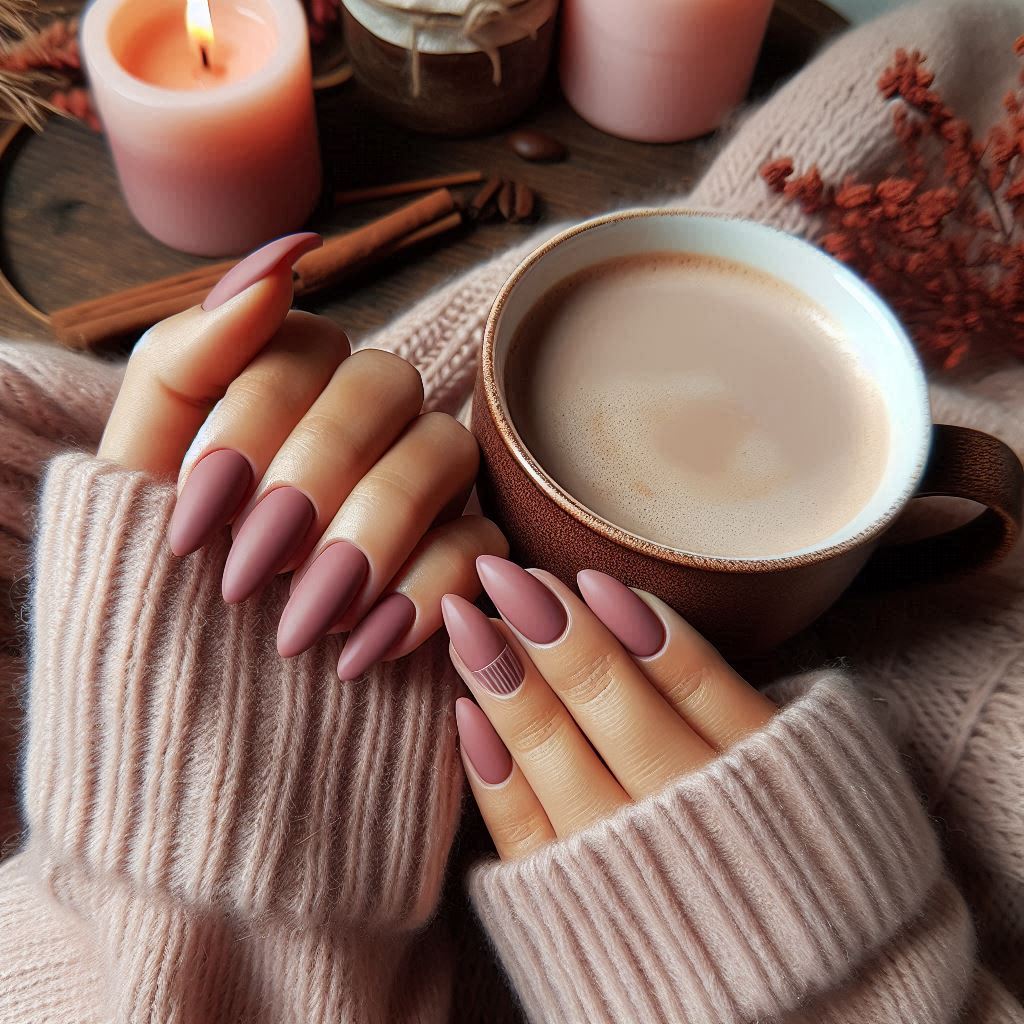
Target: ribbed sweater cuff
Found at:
x=172, y=750
x=736, y=893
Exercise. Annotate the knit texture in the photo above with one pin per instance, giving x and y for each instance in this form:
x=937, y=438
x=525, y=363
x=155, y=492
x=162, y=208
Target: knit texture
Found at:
x=213, y=834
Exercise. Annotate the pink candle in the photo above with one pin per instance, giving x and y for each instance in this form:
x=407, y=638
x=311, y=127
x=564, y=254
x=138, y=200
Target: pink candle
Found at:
x=210, y=122
x=659, y=70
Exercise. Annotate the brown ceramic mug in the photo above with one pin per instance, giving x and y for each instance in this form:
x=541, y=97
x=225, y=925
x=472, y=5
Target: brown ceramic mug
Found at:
x=746, y=605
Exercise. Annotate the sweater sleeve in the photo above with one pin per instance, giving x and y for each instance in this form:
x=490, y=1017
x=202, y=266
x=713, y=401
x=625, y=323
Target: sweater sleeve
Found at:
x=796, y=878
x=230, y=836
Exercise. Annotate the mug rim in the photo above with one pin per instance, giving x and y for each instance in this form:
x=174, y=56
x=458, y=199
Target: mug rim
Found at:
x=623, y=538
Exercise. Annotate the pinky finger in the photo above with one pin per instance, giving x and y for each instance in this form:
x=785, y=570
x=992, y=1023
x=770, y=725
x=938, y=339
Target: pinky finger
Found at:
x=510, y=809
x=444, y=562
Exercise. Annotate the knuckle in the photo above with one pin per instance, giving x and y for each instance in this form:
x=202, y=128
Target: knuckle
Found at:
x=517, y=833
x=398, y=371
x=447, y=433
x=691, y=687
x=590, y=680
x=306, y=333
x=541, y=728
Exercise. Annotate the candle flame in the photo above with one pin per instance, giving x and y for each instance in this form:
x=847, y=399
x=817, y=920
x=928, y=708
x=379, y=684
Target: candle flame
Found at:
x=199, y=22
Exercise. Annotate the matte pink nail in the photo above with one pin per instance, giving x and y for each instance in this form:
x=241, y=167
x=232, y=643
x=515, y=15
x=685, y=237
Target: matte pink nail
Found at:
x=632, y=622
x=386, y=624
x=522, y=599
x=269, y=537
x=260, y=264
x=321, y=597
x=214, y=490
x=483, y=650
x=481, y=744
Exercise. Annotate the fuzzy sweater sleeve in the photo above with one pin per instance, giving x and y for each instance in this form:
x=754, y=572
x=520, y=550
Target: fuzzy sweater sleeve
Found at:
x=796, y=878
x=214, y=834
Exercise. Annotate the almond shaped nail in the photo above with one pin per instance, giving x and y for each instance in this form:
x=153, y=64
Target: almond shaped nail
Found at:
x=269, y=537
x=260, y=264
x=483, y=650
x=386, y=624
x=213, y=493
x=481, y=743
x=522, y=599
x=631, y=621
x=321, y=597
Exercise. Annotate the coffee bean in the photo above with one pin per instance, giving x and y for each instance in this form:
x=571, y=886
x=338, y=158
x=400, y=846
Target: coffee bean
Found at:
x=481, y=206
x=524, y=204
x=535, y=146
x=506, y=200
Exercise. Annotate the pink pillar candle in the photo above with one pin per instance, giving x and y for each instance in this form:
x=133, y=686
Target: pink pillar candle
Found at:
x=659, y=70
x=216, y=155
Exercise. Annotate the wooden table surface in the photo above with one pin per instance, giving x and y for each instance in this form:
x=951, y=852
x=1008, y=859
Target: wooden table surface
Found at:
x=66, y=235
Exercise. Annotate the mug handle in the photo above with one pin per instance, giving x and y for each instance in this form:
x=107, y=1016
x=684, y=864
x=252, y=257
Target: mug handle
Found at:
x=963, y=463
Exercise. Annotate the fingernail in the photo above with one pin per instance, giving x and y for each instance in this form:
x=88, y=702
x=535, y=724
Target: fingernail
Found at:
x=632, y=622
x=216, y=487
x=375, y=636
x=269, y=536
x=321, y=597
x=483, y=650
x=481, y=744
x=522, y=599
x=260, y=264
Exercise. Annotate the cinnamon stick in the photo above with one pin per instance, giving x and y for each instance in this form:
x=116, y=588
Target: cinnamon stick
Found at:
x=405, y=188
x=90, y=324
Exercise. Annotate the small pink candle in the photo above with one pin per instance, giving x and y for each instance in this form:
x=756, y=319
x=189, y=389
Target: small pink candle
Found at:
x=659, y=70
x=210, y=120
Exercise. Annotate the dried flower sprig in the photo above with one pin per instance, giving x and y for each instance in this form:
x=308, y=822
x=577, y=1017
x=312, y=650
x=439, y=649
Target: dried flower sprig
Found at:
x=942, y=237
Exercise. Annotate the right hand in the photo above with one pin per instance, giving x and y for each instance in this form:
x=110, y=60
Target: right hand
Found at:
x=584, y=706
x=321, y=461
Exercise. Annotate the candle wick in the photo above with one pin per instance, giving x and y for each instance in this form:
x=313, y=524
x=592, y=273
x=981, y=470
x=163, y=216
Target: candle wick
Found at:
x=205, y=56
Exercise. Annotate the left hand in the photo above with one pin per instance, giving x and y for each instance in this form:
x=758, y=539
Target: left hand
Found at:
x=583, y=706
x=322, y=462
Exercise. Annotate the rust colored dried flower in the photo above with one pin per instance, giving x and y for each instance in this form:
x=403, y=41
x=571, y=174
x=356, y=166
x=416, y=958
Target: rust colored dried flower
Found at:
x=942, y=239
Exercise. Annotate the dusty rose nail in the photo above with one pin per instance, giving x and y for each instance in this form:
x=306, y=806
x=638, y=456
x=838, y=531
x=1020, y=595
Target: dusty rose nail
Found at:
x=634, y=625
x=481, y=744
x=270, y=535
x=391, y=619
x=214, y=490
x=481, y=647
x=260, y=264
x=522, y=599
x=321, y=597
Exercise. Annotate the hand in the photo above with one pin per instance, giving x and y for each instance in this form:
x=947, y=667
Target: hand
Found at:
x=322, y=462
x=583, y=706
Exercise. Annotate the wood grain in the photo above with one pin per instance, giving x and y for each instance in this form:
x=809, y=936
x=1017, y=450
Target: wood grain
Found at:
x=66, y=236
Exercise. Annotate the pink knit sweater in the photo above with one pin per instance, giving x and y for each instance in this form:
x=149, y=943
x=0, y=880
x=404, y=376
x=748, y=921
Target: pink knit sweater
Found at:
x=212, y=834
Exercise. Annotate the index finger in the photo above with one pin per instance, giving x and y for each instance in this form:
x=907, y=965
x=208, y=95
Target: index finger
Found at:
x=184, y=364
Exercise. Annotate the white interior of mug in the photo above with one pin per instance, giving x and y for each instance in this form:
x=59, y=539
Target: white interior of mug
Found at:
x=872, y=332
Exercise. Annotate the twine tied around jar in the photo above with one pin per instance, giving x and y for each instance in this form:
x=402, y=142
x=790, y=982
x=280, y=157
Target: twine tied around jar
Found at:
x=476, y=25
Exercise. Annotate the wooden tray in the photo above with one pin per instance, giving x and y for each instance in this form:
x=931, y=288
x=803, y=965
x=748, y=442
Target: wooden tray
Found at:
x=66, y=236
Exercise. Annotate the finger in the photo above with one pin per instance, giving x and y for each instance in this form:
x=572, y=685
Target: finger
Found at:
x=511, y=811
x=640, y=737
x=184, y=364
x=574, y=787
x=245, y=429
x=687, y=670
x=367, y=403
x=376, y=529
x=444, y=562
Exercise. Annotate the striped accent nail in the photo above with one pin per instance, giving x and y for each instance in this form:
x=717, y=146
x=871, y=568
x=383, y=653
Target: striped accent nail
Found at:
x=483, y=650
x=503, y=676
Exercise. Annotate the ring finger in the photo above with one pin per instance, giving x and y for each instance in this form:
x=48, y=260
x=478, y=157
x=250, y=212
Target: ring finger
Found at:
x=562, y=768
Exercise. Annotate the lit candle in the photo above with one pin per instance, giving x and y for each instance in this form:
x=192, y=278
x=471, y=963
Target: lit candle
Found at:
x=659, y=70
x=208, y=109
